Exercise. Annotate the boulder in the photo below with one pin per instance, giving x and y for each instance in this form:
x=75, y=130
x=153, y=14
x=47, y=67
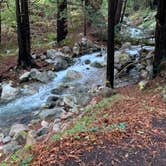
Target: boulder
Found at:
x=17, y=128
x=66, y=50
x=30, y=140
x=8, y=92
x=11, y=147
x=98, y=64
x=73, y=75
x=51, y=113
x=61, y=63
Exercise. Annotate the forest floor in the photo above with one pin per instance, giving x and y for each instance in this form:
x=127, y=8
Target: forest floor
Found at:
x=129, y=129
x=126, y=129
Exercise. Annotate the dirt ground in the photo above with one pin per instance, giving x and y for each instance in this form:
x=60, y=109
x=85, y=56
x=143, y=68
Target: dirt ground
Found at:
x=143, y=142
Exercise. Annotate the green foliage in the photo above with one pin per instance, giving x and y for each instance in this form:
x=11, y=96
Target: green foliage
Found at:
x=27, y=161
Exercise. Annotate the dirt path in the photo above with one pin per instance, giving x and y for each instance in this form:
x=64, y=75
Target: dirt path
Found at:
x=129, y=132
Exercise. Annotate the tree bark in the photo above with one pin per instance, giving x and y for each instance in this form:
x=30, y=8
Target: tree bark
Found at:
x=160, y=36
x=23, y=32
x=112, y=6
x=61, y=20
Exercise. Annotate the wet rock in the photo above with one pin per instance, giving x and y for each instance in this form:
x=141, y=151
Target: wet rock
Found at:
x=17, y=128
x=98, y=64
x=52, y=101
x=42, y=131
x=51, y=113
x=122, y=58
x=73, y=75
x=61, y=63
x=11, y=147
x=87, y=61
x=8, y=92
x=42, y=76
x=6, y=139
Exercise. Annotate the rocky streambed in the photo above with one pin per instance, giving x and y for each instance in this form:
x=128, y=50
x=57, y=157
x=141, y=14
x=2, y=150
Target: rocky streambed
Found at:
x=58, y=95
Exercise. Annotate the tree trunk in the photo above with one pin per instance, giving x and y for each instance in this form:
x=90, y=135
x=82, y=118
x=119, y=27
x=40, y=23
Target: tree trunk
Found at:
x=112, y=6
x=61, y=20
x=118, y=11
x=23, y=30
x=160, y=36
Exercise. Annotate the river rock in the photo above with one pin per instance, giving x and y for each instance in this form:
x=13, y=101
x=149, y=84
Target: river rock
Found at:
x=6, y=139
x=76, y=50
x=122, y=58
x=73, y=75
x=66, y=50
x=44, y=124
x=24, y=77
x=42, y=131
x=17, y=128
x=98, y=64
x=143, y=74
x=51, y=53
x=8, y=92
x=30, y=140
x=11, y=147
x=107, y=92
x=51, y=113
x=56, y=127
x=126, y=45
x=42, y=76
x=61, y=63
x=87, y=61
x=21, y=137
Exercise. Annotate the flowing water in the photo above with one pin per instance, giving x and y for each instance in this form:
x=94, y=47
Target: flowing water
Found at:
x=20, y=109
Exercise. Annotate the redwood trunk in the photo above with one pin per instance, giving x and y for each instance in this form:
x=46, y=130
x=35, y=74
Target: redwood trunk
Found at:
x=160, y=47
x=61, y=20
x=112, y=5
x=23, y=30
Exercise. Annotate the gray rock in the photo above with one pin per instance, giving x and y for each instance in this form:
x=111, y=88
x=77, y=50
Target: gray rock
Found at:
x=87, y=61
x=51, y=113
x=30, y=140
x=8, y=92
x=61, y=63
x=144, y=74
x=17, y=128
x=44, y=124
x=24, y=77
x=11, y=147
x=66, y=50
x=73, y=75
x=21, y=137
x=43, y=57
x=42, y=131
x=98, y=64
x=107, y=92
x=6, y=139
x=56, y=127
x=76, y=50
x=51, y=53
